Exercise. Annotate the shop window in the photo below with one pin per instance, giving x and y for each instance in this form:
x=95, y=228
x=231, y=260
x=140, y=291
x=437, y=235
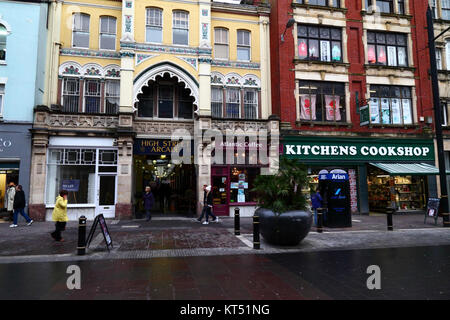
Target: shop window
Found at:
x=445, y=8
x=154, y=25
x=322, y=101
x=80, y=32
x=216, y=102
x=233, y=103
x=112, y=96
x=221, y=43
x=180, y=27
x=319, y=43
x=241, y=183
x=243, y=45
x=2, y=95
x=390, y=105
x=3, y=35
x=92, y=96
x=250, y=103
x=387, y=49
x=71, y=94
x=108, y=33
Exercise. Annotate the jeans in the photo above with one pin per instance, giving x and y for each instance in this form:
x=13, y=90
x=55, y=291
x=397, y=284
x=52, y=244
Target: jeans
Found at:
x=203, y=214
x=148, y=214
x=22, y=212
x=59, y=226
x=315, y=216
x=209, y=213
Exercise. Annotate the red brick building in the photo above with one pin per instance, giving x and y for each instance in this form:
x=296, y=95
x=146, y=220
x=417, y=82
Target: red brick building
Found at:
x=350, y=84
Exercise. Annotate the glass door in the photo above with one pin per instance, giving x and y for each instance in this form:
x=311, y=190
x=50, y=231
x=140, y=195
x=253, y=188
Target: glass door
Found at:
x=106, y=196
x=220, y=181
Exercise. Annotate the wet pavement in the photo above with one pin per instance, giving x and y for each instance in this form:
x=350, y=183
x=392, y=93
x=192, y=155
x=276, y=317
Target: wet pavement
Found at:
x=406, y=273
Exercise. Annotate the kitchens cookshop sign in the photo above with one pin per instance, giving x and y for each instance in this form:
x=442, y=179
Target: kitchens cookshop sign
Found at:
x=358, y=149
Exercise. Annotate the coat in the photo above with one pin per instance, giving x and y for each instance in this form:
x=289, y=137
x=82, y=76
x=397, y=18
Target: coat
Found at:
x=148, y=200
x=316, y=200
x=60, y=210
x=19, y=200
x=10, y=193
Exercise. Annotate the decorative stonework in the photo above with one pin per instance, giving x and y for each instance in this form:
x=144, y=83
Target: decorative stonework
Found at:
x=217, y=78
x=90, y=53
x=165, y=49
x=205, y=12
x=191, y=61
x=245, y=126
x=235, y=64
x=129, y=54
x=91, y=70
x=204, y=60
x=71, y=70
x=128, y=4
x=158, y=128
x=140, y=57
x=128, y=20
x=205, y=31
x=75, y=121
x=112, y=72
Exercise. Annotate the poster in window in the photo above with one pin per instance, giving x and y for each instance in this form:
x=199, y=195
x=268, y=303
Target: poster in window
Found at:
x=407, y=116
x=392, y=56
x=332, y=108
x=371, y=56
x=396, y=113
x=308, y=107
x=402, y=57
x=241, y=195
x=314, y=49
x=336, y=51
x=385, y=112
x=302, y=49
x=325, y=51
x=381, y=50
x=374, y=112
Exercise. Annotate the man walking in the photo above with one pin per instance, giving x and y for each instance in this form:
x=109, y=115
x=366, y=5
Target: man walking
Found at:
x=209, y=205
x=148, y=202
x=19, y=207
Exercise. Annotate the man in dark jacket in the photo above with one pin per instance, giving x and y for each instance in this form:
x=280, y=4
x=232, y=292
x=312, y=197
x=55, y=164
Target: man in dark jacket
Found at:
x=19, y=206
x=209, y=205
x=149, y=200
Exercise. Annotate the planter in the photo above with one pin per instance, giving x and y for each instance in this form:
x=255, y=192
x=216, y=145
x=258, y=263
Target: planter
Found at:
x=287, y=229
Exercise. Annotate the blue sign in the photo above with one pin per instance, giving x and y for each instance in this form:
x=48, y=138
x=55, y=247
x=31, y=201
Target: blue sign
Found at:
x=71, y=185
x=334, y=176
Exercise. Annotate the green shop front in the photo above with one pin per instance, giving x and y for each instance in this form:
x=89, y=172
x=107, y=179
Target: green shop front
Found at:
x=382, y=172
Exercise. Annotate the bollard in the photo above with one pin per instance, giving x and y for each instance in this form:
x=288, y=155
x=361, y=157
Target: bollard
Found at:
x=390, y=225
x=81, y=236
x=237, y=222
x=319, y=220
x=256, y=243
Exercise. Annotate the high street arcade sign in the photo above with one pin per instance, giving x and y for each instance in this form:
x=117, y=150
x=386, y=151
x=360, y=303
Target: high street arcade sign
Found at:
x=332, y=149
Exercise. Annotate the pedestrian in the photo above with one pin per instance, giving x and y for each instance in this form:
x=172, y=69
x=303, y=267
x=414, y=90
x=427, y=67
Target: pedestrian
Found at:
x=60, y=215
x=209, y=205
x=149, y=200
x=19, y=207
x=10, y=193
x=316, y=202
x=204, y=204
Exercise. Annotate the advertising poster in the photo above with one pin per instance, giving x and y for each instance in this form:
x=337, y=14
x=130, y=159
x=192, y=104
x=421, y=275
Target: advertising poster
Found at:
x=396, y=113
x=241, y=195
x=374, y=112
x=392, y=56
x=385, y=111
x=407, y=116
x=353, y=191
x=308, y=107
x=332, y=108
x=325, y=51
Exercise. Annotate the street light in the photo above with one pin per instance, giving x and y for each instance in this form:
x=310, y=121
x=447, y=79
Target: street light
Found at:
x=289, y=24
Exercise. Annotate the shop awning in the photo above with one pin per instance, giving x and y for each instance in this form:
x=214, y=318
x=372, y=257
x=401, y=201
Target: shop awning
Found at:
x=399, y=169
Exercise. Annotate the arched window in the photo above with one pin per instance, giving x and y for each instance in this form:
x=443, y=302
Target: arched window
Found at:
x=3, y=34
x=80, y=32
x=108, y=33
x=221, y=43
x=243, y=45
x=153, y=25
x=180, y=27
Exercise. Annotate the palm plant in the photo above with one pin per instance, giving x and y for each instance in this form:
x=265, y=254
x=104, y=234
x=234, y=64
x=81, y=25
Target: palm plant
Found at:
x=282, y=192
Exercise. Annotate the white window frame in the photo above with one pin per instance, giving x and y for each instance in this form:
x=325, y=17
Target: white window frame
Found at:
x=256, y=93
x=174, y=12
x=244, y=46
x=100, y=33
x=3, y=61
x=227, y=43
x=73, y=28
x=147, y=10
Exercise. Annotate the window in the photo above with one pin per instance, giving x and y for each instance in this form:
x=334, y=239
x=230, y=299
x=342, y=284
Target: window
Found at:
x=221, y=43
x=386, y=6
x=445, y=7
x=184, y=103
x=216, y=102
x=315, y=2
x=233, y=103
x=165, y=105
x=387, y=49
x=250, y=103
x=242, y=183
x=146, y=102
x=322, y=101
x=243, y=45
x=2, y=94
x=3, y=34
x=369, y=5
x=92, y=96
x=112, y=94
x=154, y=25
x=71, y=94
x=401, y=7
x=80, y=35
x=180, y=27
x=439, y=58
x=447, y=53
x=433, y=8
x=444, y=114
x=319, y=43
x=390, y=105
x=108, y=33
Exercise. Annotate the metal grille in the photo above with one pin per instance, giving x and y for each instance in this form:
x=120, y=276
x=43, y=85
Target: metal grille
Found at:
x=71, y=94
x=92, y=96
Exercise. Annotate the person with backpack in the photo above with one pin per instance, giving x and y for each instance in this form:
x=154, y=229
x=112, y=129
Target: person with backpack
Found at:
x=19, y=207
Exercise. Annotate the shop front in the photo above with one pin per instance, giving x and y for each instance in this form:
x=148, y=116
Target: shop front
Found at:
x=382, y=173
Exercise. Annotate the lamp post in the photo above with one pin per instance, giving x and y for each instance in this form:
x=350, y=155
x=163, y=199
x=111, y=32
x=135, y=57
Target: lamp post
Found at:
x=438, y=119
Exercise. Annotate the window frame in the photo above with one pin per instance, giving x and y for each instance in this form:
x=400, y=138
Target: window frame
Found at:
x=374, y=89
x=80, y=31
x=6, y=33
x=85, y=96
x=63, y=84
x=256, y=102
x=174, y=12
x=249, y=46
x=221, y=90
x=445, y=9
x=2, y=97
x=100, y=33
x=147, y=26
x=227, y=44
x=112, y=96
x=318, y=38
x=376, y=44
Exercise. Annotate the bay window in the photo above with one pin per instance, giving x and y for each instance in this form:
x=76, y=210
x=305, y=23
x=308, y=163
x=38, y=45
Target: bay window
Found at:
x=180, y=28
x=387, y=49
x=319, y=43
x=154, y=25
x=390, y=105
x=107, y=33
x=80, y=32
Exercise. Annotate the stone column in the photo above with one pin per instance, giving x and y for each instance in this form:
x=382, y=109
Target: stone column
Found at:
x=266, y=101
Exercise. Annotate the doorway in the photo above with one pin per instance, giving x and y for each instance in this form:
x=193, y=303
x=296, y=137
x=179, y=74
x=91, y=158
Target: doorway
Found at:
x=106, y=195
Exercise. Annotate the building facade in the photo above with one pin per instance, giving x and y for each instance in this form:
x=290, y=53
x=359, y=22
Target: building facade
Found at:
x=22, y=29
x=355, y=95
x=134, y=84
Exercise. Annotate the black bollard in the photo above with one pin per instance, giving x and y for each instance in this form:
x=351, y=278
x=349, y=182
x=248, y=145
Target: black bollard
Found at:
x=81, y=236
x=390, y=225
x=237, y=222
x=319, y=220
x=256, y=243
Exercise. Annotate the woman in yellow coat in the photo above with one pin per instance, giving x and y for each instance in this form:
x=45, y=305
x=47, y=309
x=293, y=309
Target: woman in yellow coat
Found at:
x=60, y=215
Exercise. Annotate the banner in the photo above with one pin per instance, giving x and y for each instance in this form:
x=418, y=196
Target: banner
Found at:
x=308, y=107
x=332, y=108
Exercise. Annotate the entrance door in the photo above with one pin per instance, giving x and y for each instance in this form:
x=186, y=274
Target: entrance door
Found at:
x=220, y=191
x=106, y=196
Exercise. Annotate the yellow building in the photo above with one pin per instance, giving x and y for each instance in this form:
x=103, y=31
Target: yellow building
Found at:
x=128, y=82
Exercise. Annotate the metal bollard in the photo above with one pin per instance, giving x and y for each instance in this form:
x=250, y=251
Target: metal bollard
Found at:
x=81, y=236
x=319, y=220
x=390, y=225
x=256, y=243
x=237, y=222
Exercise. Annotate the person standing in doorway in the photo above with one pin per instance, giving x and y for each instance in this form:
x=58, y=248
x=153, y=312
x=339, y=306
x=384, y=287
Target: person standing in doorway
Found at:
x=316, y=202
x=149, y=200
x=19, y=207
x=60, y=215
x=209, y=205
x=10, y=193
